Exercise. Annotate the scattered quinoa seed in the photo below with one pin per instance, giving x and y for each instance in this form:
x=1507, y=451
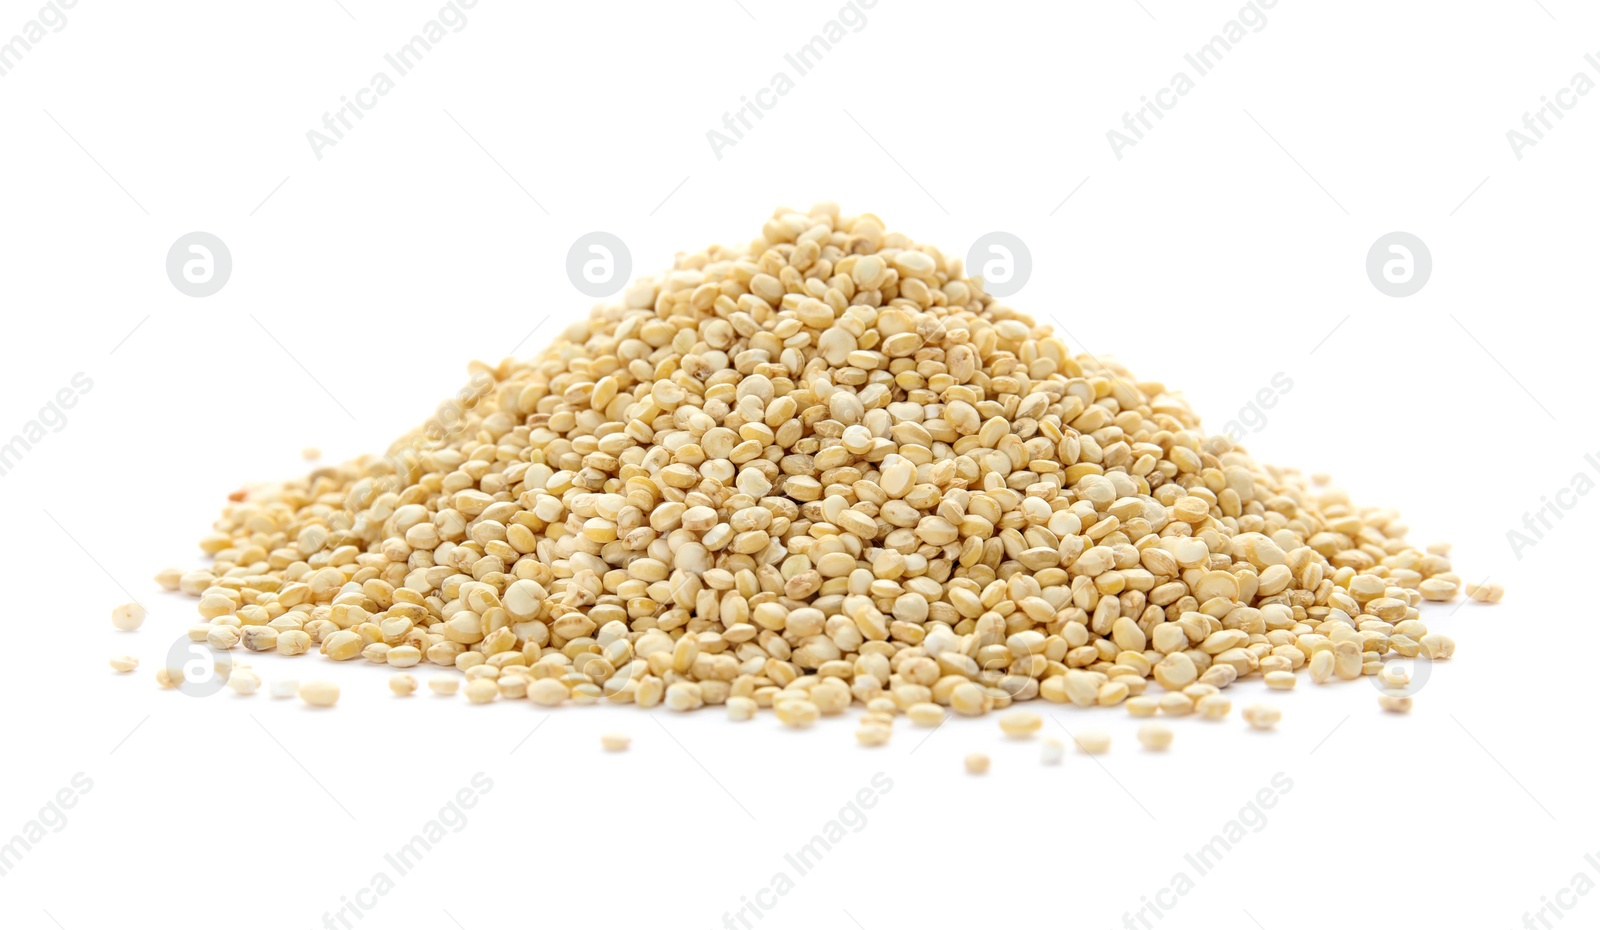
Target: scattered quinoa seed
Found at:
x=1213, y=707
x=1093, y=742
x=1395, y=703
x=128, y=617
x=124, y=663
x=977, y=764
x=1262, y=716
x=319, y=693
x=1488, y=592
x=615, y=742
x=1021, y=724
x=1155, y=737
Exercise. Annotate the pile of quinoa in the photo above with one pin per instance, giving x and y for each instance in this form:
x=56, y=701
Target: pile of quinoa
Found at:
x=824, y=468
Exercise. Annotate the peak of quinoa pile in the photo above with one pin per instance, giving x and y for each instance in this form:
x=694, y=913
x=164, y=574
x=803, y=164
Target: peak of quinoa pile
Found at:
x=825, y=466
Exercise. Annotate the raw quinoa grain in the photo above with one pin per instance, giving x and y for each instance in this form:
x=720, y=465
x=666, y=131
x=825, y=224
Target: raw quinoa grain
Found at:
x=819, y=469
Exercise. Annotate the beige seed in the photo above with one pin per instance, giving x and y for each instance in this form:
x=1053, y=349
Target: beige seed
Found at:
x=1322, y=666
x=258, y=638
x=797, y=713
x=977, y=763
x=403, y=685
x=1176, y=704
x=128, y=617
x=925, y=714
x=293, y=642
x=244, y=682
x=1281, y=681
x=343, y=645
x=684, y=696
x=1261, y=716
x=1092, y=742
x=1395, y=703
x=873, y=735
x=968, y=699
x=1395, y=676
x=222, y=638
x=124, y=663
x=547, y=692
x=1155, y=737
x=1437, y=646
x=320, y=693
x=615, y=742
x=1213, y=707
x=1143, y=706
x=1021, y=724
x=1488, y=592
x=741, y=709
x=445, y=685
x=482, y=690
x=1175, y=671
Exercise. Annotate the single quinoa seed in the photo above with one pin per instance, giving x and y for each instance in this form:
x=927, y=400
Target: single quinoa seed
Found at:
x=1395, y=703
x=820, y=469
x=1261, y=716
x=128, y=617
x=1155, y=737
x=319, y=693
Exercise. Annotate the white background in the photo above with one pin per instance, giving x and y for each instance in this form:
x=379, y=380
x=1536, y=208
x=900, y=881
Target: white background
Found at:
x=1221, y=250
